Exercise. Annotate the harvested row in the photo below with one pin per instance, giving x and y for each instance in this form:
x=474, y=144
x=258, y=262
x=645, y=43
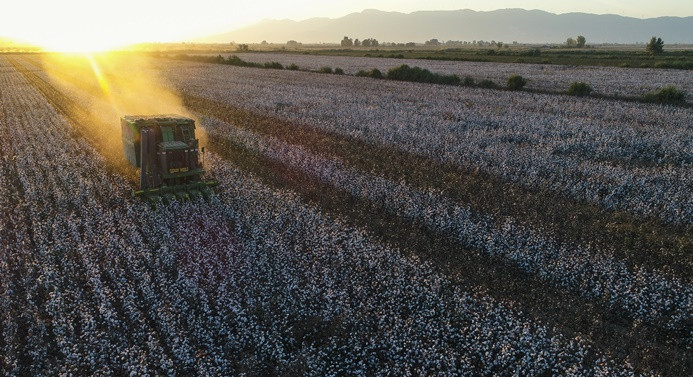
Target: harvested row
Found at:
x=632, y=240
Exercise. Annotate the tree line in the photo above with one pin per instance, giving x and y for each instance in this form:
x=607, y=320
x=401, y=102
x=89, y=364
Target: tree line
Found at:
x=368, y=42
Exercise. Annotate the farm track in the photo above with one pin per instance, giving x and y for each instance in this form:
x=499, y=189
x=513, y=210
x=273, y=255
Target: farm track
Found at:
x=558, y=307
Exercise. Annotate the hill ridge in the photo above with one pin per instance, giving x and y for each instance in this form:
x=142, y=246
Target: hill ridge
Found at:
x=507, y=25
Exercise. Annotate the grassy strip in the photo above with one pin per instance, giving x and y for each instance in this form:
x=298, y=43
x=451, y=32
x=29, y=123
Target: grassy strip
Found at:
x=567, y=311
x=635, y=240
x=581, y=57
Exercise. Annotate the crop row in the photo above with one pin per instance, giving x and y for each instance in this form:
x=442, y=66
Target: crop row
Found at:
x=647, y=295
x=97, y=283
x=622, y=156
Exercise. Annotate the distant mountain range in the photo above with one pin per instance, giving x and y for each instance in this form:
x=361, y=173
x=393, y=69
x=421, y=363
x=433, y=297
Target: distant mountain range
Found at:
x=507, y=25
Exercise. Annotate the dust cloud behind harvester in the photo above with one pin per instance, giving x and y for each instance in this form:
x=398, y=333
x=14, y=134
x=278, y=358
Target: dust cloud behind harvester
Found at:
x=104, y=87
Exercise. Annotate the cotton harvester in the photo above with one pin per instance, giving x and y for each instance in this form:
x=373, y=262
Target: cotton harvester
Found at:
x=165, y=149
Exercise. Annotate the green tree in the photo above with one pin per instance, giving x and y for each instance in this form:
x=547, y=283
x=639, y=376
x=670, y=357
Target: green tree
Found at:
x=655, y=46
x=369, y=42
x=581, y=41
x=347, y=42
x=570, y=42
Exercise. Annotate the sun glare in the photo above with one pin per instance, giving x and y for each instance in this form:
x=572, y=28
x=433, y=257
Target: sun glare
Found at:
x=82, y=44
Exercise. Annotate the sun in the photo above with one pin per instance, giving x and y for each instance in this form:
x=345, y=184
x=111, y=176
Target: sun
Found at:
x=76, y=47
x=83, y=43
x=80, y=26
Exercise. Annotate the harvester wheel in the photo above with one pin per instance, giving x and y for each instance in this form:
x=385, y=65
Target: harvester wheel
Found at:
x=195, y=194
x=154, y=200
x=183, y=196
x=168, y=198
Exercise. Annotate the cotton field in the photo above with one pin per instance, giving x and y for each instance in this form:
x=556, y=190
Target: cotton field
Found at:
x=316, y=256
x=604, y=80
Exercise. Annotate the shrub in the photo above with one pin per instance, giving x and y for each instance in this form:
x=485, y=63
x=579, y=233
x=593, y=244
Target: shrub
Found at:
x=338, y=71
x=418, y=74
x=235, y=60
x=516, y=82
x=292, y=67
x=468, y=81
x=580, y=89
x=325, y=70
x=486, y=83
x=274, y=65
x=667, y=94
x=373, y=73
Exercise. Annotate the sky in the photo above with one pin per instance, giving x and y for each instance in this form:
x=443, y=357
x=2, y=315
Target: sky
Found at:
x=94, y=24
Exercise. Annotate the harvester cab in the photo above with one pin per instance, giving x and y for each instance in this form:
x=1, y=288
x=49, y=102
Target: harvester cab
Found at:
x=165, y=149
